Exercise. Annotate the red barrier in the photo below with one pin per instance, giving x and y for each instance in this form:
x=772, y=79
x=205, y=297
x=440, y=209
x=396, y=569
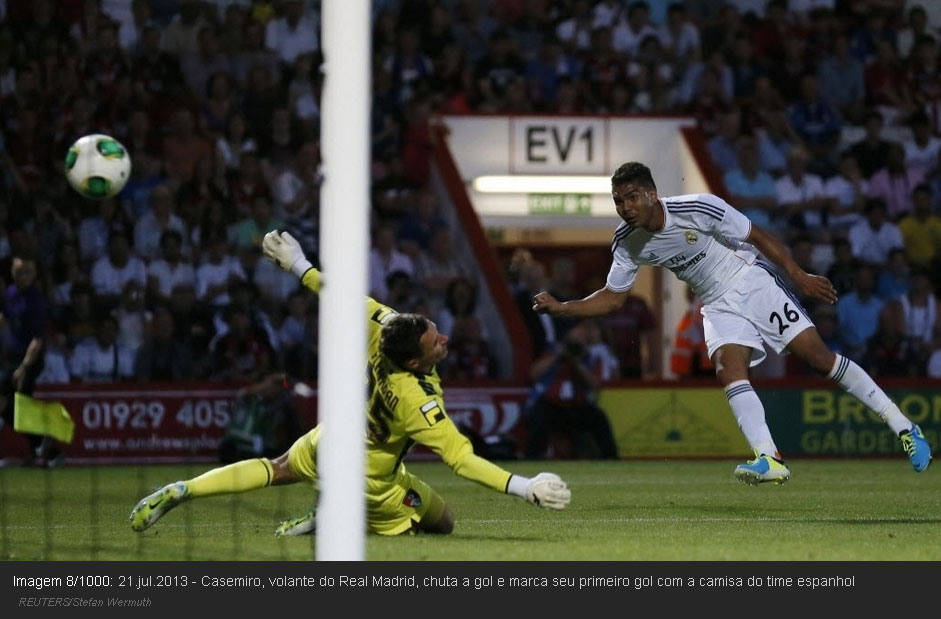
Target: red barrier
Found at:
x=164, y=423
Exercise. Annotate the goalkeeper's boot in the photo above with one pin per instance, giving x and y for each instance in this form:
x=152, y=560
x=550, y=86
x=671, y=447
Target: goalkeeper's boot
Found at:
x=304, y=525
x=917, y=448
x=763, y=469
x=151, y=508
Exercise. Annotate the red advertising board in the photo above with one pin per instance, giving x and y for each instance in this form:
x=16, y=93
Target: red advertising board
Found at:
x=157, y=423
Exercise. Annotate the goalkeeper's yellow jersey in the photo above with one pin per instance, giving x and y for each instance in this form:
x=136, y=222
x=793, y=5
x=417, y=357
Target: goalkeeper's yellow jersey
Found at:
x=405, y=408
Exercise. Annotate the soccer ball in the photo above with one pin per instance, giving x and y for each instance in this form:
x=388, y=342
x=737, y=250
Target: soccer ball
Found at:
x=97, y=166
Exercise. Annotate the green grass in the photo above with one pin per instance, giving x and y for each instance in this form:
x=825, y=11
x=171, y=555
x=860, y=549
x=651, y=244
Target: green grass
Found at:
x=682, y=510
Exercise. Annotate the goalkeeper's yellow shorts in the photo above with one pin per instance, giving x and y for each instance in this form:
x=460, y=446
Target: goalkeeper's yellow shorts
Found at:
x=392, y=506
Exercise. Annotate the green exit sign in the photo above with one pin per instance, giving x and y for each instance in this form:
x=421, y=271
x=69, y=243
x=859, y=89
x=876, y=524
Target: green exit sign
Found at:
x=559, y=203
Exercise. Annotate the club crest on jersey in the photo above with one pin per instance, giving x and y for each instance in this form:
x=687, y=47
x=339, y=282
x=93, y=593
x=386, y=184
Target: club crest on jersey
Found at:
x=691, y=237
x=412, y=499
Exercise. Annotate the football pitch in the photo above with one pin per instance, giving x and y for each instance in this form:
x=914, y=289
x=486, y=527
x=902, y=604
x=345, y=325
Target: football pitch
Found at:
x=621, y=511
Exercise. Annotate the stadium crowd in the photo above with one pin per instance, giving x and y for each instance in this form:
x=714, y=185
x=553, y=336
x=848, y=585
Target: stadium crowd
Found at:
x=821, y=117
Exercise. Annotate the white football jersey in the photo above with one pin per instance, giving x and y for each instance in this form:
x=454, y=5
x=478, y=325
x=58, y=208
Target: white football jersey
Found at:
x=702, y=241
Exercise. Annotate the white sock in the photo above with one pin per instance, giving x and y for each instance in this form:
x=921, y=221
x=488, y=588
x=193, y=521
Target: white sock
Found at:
x=856, y=381
x=750, y=414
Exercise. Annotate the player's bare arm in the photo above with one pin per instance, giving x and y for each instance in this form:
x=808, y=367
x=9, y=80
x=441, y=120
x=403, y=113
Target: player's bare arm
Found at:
x=603, y=301
x=814, y=286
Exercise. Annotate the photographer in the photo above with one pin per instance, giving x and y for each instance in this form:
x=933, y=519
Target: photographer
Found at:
x=562, y=403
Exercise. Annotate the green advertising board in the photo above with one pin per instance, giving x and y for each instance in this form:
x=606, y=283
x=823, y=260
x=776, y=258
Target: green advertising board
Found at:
x=697, y=422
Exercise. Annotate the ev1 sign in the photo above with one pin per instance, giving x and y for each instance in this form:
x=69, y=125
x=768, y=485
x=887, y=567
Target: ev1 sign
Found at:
x=546, y=145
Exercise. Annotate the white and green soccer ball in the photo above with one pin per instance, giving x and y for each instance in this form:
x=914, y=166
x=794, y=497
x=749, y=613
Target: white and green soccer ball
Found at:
x=97, y=166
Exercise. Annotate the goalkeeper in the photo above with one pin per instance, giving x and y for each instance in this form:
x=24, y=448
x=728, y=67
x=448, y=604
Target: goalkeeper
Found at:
x=405, y=406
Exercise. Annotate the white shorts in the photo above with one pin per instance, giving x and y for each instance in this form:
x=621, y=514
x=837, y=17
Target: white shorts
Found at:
x=758, y=308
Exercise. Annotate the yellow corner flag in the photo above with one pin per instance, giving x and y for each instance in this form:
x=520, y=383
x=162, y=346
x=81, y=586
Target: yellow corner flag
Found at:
x=32, y=416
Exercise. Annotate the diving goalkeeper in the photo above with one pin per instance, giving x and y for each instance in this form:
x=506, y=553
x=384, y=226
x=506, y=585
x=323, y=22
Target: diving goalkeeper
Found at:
x=405, y=406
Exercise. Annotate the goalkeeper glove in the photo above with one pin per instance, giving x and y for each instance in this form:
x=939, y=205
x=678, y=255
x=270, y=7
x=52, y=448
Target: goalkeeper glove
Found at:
x=283, y=249
x=544, y=490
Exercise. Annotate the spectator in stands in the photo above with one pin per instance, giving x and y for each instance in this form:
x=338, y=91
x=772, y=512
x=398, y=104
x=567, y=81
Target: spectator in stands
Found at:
x=841, y=80
x=206, y=61
x=219, y=105
x=846, y=194
x=416, y=230
x=885, y=79
x=65, y=273
x=112, y=271
x=800, y=194
x=152, y=225
x=723, y=147
x=101, y=359
x=94, y=230
x=630, y=30
x=247, y=184
x=252, y=54
x=888, y=351
x=751, y=189
x=274, y=285
x=440, y=265
x=915, y=27
x=745, y=67
x=933, y=180
x=170, y=270
x=469, y=356
x=574, y=30
x=180, y=36
x=235, y=141
x=157, y=75
x=78, y=320
x=183, y=147
x=249, y=231
x=394, y=193
x=895, y=182
x=292, y=33
x=145, y=175
x=893, y=280
x=921, y=150
x=921, y=230
x=243, y=353
x=385, y=258
x=604, y=66
x=55, y=362
x=689, y=357
x=924, y=77
x=460, y=301
x=292, y=334
x=218, y=271
x=132, y=317
x=633, y=335
x=871, y=152
x=873, y=238
x=858, y=313
x=296, y=194
x=816, y=122
x=919, y=311
x=162, y=357
x=408, y=66
x=866, y=37
x=563, y=402
x=194, y=321
x=680, y=36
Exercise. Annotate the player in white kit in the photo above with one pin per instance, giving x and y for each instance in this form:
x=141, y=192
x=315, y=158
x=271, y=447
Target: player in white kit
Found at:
x=714, y=249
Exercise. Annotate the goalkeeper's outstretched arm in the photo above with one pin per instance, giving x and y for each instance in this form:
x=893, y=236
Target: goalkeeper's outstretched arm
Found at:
x=544, y=490
x=283, y=249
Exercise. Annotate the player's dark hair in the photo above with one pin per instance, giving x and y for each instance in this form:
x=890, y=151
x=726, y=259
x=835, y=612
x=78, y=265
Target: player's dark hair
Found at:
x=635, y=173
x=400, y=337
